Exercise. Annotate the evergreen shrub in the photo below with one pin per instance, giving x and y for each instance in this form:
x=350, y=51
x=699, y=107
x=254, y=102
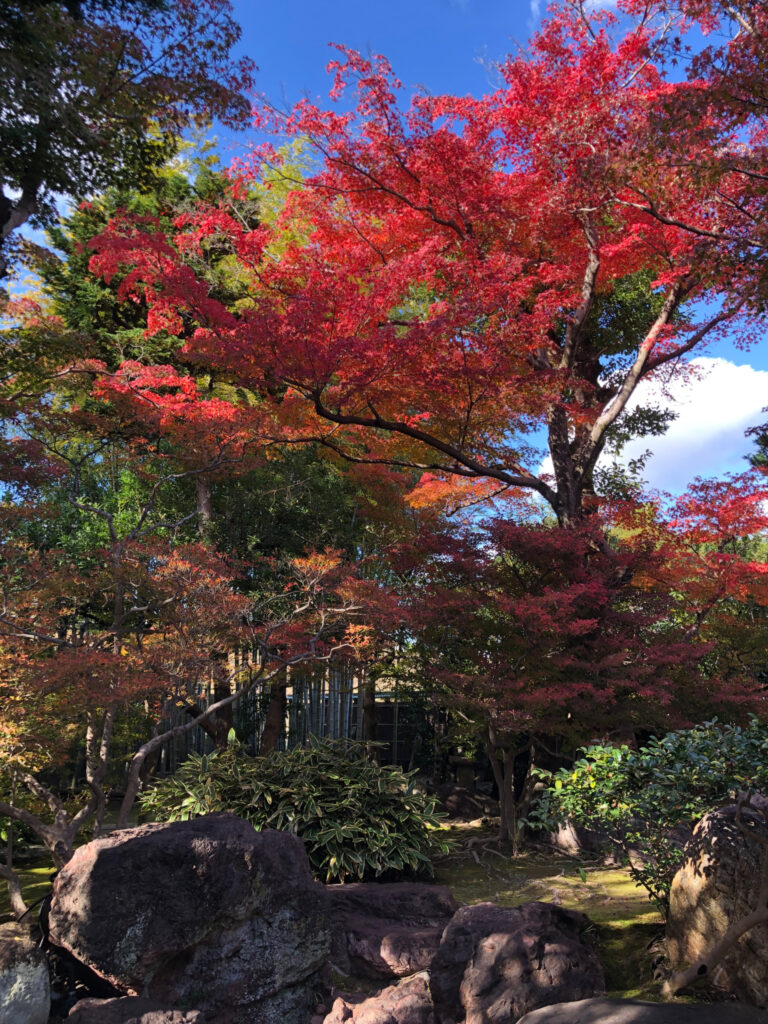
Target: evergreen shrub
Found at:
x=641, y=797
x=358, y=819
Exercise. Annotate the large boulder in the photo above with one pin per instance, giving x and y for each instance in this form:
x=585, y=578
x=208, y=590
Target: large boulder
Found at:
x=24, y=986
x=205, y=913
x=494, y=963
x=634, y=1011
x=407, y=1002
x=717, y=885
x=382, y=930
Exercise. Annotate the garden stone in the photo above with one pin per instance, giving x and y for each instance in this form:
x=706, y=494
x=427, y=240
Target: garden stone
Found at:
x=24, y=984
x=407, y=1002
x=575, y=840
x=385, y=930
x=459, y=802
x=131, y=1010
x=632, y=1011
x=205, y=913
x=717, y=885
x=494, y=964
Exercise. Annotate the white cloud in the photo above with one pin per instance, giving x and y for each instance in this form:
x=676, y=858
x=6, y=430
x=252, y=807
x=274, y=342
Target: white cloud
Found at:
x=707, y=438
x=534, y=13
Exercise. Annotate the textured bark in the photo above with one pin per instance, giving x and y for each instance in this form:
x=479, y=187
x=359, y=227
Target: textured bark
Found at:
x=274, y=723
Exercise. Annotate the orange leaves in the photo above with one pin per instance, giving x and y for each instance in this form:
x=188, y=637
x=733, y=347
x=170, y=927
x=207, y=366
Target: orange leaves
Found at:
x=453, y=495
x=714, y=510
x=80, y=634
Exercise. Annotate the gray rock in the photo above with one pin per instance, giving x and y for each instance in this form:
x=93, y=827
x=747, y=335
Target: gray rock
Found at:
x=717, y=885
x=382, y=930
x=25, y=996
x=206, y=913
x=632, y=1011
x=130, y=1010
x=407, y=1002
x=494, y=964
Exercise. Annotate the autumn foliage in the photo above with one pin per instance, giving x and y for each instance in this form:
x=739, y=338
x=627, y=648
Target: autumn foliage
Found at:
x=449, y=264
x=454, y=283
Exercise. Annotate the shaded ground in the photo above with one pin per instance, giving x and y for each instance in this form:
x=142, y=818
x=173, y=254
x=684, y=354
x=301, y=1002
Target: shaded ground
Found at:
x=627, y=922
x=35, y=883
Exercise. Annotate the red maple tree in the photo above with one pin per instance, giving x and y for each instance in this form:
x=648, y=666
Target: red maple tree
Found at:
x=459, y=274
x=543, y=632
x=444, y=279
x=126, y=608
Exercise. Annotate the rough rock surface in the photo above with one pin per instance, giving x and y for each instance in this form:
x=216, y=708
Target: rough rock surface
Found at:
x=382, y=930
x=407, y=1002
x=718, y=884
x=24, y=985
x=631, y=1011
x=494, y=963
x=205, y=913
x=130, y=1010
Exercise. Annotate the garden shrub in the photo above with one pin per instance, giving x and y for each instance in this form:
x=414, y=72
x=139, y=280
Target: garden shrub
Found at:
x=358, y=819
x=638, y=797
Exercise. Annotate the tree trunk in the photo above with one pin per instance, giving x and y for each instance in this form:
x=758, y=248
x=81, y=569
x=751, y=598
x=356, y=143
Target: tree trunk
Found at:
x=97, y=742
x=370, y=718
x=18, y=906
x=218, y=726
x=512, y=806
x=14, y=213
x=274, y=724
x=222, y=722
x=204, y=507
x=504, y=772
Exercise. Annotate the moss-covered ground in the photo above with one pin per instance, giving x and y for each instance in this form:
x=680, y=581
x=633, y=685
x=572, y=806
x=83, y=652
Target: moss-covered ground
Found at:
x=626, y=922
x=35, y=883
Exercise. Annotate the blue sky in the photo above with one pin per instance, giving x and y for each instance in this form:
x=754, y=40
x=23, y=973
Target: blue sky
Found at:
x=438, y=44
x=452, y=46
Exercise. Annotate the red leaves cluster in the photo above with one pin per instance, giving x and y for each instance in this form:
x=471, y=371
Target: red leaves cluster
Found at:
x=409, y=303
x=579, y=630
x=422, y=302
x=201, y=432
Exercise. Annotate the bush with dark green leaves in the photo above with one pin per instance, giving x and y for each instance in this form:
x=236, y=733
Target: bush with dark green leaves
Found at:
x=358, y=819
x=640, y=797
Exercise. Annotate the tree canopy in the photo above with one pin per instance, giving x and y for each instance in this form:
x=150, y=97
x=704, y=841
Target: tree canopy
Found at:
x=97, y=92
x=300, y=406
x=445, y=296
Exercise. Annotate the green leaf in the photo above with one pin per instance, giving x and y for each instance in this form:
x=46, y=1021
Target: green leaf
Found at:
x=356, y=818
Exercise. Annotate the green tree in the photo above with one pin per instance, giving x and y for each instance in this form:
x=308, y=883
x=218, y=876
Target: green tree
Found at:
x=98, y=91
